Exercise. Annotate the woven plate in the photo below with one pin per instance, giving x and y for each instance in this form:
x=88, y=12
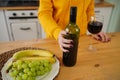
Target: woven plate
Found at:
x=6, y=55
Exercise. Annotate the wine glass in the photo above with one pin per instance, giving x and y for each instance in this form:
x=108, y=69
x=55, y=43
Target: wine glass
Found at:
x=95, y=26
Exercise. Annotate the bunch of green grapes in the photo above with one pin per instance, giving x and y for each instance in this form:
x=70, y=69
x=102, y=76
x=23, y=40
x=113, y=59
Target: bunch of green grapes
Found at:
x=29, y=70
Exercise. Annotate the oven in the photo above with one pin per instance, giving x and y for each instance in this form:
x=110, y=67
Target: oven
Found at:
x=23, y=25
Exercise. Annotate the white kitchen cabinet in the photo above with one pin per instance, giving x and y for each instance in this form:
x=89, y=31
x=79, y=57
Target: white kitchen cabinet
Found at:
x=23, y=25
x=106, y=12
x=24, y=31
x=3, y=27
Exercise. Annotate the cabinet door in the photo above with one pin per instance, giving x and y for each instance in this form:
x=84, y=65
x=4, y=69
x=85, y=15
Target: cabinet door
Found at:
x=3, y=27
x=24, y=31
x=106, y=12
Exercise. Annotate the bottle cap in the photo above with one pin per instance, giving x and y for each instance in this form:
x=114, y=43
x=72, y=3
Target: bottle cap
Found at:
x=73, y=10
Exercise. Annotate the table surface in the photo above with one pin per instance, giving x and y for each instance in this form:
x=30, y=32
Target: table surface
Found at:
x=100, y=64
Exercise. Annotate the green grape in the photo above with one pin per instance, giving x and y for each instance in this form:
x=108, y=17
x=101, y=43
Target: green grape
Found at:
x=29, y=73
x=19, y=62
x=40, y=63
x=30, y=65
x=46, y=64
x=21, y=73
x=50, y=66
x=37, y=68
x=46, y=69
x=14, y=64
x=24, y=76
x=33, y=63
x=41, y=68
x=42, y=72
x=27, y=62
x=32, y=69
x=38, y=73
x=24, y=65
x=26, y=70
x=19, y=66
x=14, y=78
x=31, y=78
x=15, y=72
x=12, y=74
x=46, y=61
x=34, y=74
x=36, y=63
x=13, y=68
x=18, y=78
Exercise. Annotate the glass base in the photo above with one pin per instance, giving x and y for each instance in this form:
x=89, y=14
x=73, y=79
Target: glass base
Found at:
x=91, y=48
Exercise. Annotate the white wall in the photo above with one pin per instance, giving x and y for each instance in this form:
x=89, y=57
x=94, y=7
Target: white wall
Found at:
x=114, y=25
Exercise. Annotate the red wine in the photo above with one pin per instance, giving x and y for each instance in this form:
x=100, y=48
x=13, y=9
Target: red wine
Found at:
x=94, y=27
x=69, y=58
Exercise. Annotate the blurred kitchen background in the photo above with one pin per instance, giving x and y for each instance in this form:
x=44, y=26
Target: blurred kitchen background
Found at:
x=18, y=18
x=114, y=24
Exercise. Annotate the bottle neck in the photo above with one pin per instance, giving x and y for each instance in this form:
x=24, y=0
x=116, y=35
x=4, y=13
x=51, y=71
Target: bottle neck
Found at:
x=73, y=12
x=73, y=19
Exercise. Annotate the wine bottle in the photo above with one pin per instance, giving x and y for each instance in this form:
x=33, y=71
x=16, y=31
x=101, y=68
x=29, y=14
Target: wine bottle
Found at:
x=69, y=58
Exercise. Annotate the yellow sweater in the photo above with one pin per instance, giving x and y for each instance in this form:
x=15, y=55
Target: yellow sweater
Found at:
x=54, y=15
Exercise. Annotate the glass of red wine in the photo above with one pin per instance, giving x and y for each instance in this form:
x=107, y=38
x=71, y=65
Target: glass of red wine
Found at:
x=95, y=26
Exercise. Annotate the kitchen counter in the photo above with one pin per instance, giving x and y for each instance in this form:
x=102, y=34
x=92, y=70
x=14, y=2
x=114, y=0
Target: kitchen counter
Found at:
x=103, y=4
x=101, y=64
x=20, y=8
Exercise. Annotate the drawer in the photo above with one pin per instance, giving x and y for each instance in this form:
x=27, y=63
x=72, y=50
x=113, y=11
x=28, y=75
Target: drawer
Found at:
x=24, y=31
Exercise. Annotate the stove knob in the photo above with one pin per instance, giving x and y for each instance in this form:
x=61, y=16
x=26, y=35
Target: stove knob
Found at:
x=23, y=13
x=31, y=14
x=14, y=14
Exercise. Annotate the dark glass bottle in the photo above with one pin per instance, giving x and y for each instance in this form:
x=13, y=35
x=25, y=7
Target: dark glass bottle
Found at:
x=69, y=58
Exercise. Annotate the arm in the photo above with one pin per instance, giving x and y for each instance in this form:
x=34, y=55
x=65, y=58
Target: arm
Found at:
x=90, y=10
x=45, y=17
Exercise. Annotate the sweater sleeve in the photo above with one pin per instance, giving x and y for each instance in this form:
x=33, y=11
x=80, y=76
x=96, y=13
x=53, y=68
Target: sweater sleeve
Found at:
x=90, y=10
x=45, y=16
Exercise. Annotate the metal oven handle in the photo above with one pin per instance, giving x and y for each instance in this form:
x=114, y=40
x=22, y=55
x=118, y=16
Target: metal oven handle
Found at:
x=32, y=17
x=28, y=28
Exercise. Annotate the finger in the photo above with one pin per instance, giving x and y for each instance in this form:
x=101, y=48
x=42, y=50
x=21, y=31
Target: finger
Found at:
x=63, y=33
x=64, y=41
x=63, y=49
x=109, y=39
x=67, y=41
x=106, y=38
x=63, y=44
x=96, y=37
x=102, y=37
x=66, y=45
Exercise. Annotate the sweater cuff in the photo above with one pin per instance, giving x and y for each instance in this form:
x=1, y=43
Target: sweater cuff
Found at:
x=56, y=33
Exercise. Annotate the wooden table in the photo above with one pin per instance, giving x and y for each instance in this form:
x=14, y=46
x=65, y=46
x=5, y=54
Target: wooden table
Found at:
x=102, y=64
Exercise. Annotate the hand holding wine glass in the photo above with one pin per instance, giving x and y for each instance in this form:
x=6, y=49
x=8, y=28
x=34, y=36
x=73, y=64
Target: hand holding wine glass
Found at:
x=95, y=26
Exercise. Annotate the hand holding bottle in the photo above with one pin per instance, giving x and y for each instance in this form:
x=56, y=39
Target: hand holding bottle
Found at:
x=69, y=39
x=64, y=42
